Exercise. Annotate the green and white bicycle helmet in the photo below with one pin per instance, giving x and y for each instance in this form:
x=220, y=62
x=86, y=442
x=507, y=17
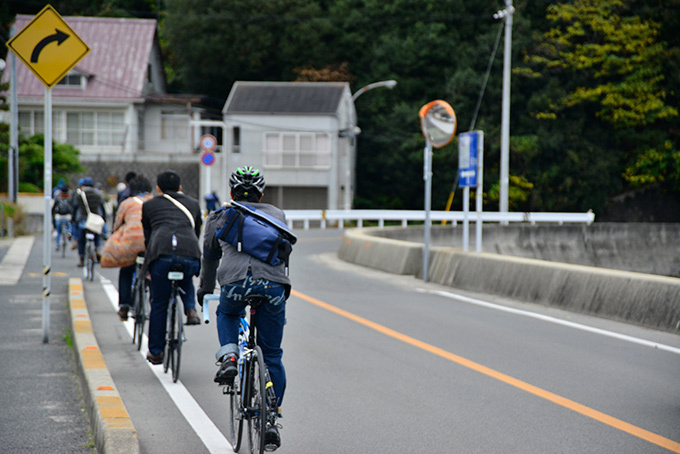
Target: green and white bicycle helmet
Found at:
x=246, y=179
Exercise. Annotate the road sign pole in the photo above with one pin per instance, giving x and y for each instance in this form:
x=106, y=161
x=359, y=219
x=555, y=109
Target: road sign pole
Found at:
x=47, y=216
x=13, y=162
x=466, y=217
x=427, y=176
x=480, y=189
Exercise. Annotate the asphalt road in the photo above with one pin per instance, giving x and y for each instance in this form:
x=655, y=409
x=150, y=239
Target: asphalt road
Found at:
x=379, y=363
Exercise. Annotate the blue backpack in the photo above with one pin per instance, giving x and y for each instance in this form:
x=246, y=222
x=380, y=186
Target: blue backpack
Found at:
x=257, y=234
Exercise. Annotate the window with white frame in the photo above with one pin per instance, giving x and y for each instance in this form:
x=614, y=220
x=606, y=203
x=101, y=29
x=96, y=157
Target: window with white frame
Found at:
x=297, y=150
x=72, y=80
x=77, y=128
x=32, y=122
x=95, y=128
x=174, y=125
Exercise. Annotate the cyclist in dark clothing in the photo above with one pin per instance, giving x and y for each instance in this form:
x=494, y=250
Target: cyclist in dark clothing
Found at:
x=170, y=213
x=95, y=203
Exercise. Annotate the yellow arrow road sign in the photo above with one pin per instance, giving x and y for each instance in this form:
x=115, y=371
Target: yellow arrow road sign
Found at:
x=48, y=46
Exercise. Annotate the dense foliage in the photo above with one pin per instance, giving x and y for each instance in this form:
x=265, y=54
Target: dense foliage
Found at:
x=594, y=109
x=65, y=161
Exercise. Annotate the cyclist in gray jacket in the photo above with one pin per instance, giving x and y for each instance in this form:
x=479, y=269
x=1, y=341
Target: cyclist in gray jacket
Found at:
x=240, y=274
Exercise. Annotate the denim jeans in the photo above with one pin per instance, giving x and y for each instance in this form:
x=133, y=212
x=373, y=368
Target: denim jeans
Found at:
x=125, y=278
x=81, y=239
x=160, y=295
x=269, y=321
x=57, y=225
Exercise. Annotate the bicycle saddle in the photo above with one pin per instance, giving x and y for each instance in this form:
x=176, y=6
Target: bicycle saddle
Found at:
x=255, y=300
x=176, y=267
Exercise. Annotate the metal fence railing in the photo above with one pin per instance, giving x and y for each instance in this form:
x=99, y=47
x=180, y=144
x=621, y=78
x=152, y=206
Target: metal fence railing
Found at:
x=339, y=218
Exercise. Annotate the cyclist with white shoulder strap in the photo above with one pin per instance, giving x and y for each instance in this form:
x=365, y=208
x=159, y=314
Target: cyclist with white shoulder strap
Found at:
x=170, y=213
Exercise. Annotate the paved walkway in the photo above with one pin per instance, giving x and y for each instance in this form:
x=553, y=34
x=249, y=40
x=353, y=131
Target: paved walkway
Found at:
x=45, y=407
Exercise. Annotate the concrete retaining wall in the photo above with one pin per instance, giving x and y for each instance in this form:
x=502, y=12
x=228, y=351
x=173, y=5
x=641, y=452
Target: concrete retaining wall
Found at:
x=644, y=299
x=652, y=248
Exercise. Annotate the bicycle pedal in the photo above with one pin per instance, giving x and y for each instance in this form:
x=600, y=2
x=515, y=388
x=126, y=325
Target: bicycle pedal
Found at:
x=270, y=448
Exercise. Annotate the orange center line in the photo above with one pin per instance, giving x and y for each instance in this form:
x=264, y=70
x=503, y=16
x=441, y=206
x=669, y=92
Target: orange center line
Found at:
x=542, y=393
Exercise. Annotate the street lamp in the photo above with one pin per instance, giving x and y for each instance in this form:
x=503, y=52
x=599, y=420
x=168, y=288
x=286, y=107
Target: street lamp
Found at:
x=383, y=83
x=352, y=136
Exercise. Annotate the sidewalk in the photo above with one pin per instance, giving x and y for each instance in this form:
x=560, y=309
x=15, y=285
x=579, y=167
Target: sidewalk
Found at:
x=45, y=408
x=43, y=411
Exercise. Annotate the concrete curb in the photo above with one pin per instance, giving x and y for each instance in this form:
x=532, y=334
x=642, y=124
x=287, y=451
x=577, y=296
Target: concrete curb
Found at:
x=644, y=299
x=111, y=424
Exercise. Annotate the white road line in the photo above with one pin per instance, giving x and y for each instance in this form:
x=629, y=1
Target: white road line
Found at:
x=554, y=320
x=206, y=430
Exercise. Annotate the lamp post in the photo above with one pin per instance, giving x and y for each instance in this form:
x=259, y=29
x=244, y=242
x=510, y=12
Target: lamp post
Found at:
x=352, y=136
x=506, y=15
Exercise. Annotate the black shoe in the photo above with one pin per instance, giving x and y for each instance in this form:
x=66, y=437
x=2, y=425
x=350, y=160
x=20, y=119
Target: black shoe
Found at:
x=81, y=262
x=155, y=359
x=192, y=317
x=123, y=313
x=272, y=439
x=228, y=370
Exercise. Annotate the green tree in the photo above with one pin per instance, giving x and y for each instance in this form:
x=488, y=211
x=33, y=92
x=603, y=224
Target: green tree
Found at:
x=600, y=103
x=65, y=161
x=617, y=62
x=210, y=44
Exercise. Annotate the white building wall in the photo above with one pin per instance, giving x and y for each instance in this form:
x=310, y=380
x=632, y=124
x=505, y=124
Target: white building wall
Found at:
x=153, y=128
x=253, y=129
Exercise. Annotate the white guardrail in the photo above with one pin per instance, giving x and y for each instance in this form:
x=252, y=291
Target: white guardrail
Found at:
x=340, y=217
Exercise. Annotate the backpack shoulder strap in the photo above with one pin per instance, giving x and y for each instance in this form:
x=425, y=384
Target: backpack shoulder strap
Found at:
x=236, y=217
x=183, y=208
x=87, y=205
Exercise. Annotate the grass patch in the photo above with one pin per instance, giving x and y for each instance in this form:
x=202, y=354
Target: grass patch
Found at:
x=68, y=338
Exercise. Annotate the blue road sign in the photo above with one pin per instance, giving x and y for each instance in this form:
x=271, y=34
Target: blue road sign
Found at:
x=468, y=143
x=208, y=158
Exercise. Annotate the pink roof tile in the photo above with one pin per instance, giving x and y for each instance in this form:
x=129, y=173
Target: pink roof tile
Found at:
x=118, y=59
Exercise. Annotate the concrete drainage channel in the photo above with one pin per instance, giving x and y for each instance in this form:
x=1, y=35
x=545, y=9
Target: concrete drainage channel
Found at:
x=111, y=424
x=644, y=299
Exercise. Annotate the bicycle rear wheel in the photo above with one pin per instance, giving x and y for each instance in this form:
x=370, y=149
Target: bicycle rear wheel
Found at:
x=178, y=340
x=256, y=403
x=63, y=240
x=140, y=296
x=90, y=259
x=236, y=417
x=169, y=336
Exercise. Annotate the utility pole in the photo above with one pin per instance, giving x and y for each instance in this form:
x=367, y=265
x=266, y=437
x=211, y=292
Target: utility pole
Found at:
x=505, y=14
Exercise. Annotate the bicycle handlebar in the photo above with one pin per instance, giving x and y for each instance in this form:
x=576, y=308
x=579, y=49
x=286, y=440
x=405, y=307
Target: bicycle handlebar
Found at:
x=206, y=306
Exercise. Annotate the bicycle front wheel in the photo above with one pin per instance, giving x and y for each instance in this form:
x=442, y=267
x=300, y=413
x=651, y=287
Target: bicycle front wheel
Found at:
x=236, y=417
x=256, y=402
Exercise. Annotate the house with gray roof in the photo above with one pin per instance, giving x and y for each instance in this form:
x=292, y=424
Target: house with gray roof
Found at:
x=113, y=106
x=300, y=134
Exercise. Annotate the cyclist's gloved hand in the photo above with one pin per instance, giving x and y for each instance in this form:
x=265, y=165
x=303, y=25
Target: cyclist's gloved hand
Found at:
x=200, y=293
